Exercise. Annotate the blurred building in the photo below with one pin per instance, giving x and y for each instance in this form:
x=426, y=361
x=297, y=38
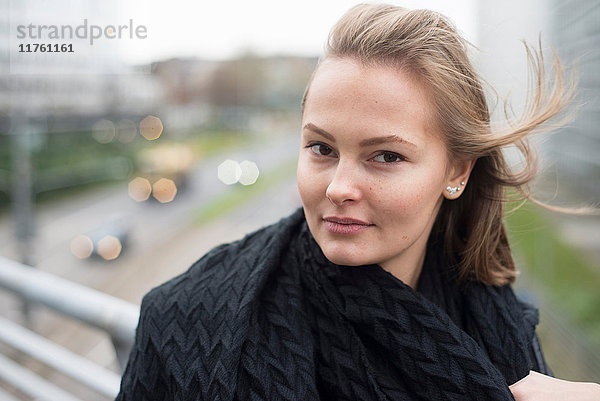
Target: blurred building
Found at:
x=73, y=95
x=572, y=27
x=246, y=93
x=575, y=30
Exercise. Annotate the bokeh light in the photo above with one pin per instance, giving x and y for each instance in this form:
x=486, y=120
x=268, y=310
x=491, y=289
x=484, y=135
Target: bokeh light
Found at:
x=164, y=190
x=126, y=131
x=229, y=172
x=249, y=173
x=109, y=247
x=104, y=131
x=151, y=127
x=139, y=189
x=82, y=246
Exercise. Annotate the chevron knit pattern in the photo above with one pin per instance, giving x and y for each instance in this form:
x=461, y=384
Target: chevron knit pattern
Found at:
x=268, y=317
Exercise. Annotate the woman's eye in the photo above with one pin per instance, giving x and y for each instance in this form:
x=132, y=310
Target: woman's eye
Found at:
x=322, y=150
x=388, y=157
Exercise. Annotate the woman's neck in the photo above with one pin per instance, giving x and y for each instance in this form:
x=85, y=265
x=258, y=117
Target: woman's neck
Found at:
x=407, y=267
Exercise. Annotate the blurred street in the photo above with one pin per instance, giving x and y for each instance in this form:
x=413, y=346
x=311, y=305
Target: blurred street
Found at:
x=149, y=222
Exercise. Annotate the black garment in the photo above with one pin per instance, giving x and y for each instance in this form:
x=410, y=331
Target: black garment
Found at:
x=268, y=317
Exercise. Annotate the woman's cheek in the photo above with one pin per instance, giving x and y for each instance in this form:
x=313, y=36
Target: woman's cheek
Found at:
x=401, y=198
x=308, y=182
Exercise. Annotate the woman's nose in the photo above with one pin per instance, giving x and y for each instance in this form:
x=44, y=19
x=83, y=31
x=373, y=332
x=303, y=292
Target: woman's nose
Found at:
x=343, y=186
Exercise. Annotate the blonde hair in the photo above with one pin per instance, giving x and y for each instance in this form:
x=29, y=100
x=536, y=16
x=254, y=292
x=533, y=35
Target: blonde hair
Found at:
x=426, y=43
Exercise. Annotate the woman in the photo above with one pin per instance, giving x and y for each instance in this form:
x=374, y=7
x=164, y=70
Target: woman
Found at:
x=392, y=281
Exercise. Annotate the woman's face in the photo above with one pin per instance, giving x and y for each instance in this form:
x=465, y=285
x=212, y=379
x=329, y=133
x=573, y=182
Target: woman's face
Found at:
x=370, y=153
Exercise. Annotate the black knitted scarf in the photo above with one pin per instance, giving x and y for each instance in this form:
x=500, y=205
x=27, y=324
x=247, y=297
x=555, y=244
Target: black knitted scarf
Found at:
x=270, y=318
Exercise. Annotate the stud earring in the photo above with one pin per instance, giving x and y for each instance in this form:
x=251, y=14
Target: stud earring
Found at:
x=452, y=190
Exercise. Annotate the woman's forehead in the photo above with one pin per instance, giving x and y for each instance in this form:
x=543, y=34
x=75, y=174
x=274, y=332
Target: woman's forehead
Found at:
x=377, y=98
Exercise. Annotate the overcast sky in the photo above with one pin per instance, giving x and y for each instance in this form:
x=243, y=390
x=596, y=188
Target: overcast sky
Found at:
x=220, y=29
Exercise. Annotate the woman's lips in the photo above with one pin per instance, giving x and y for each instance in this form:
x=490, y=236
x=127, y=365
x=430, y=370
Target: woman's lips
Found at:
x=345, y=225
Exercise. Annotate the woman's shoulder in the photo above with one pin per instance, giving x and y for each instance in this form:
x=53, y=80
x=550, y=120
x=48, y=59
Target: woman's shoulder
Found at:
x=226, y=274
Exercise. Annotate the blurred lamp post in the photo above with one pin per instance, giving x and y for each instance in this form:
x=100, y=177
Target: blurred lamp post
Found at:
x=22, y=140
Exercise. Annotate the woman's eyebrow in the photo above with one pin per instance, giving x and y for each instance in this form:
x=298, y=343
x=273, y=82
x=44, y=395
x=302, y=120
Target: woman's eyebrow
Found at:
x=366, y=142
x=386, y=139
x=317, y=130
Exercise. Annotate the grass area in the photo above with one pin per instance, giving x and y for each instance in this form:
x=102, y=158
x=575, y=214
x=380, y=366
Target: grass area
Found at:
x=240, y=194
x=567, y=277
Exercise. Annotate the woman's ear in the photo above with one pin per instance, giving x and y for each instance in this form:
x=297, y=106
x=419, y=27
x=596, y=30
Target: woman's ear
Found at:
x=458, y=178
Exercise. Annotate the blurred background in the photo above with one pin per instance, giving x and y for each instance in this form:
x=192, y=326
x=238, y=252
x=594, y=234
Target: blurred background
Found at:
x=123, y=159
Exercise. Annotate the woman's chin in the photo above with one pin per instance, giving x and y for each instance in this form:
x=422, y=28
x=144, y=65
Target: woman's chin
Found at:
x=344, y=258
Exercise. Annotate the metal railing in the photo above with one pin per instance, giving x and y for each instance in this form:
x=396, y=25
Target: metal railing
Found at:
x=114, y=316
